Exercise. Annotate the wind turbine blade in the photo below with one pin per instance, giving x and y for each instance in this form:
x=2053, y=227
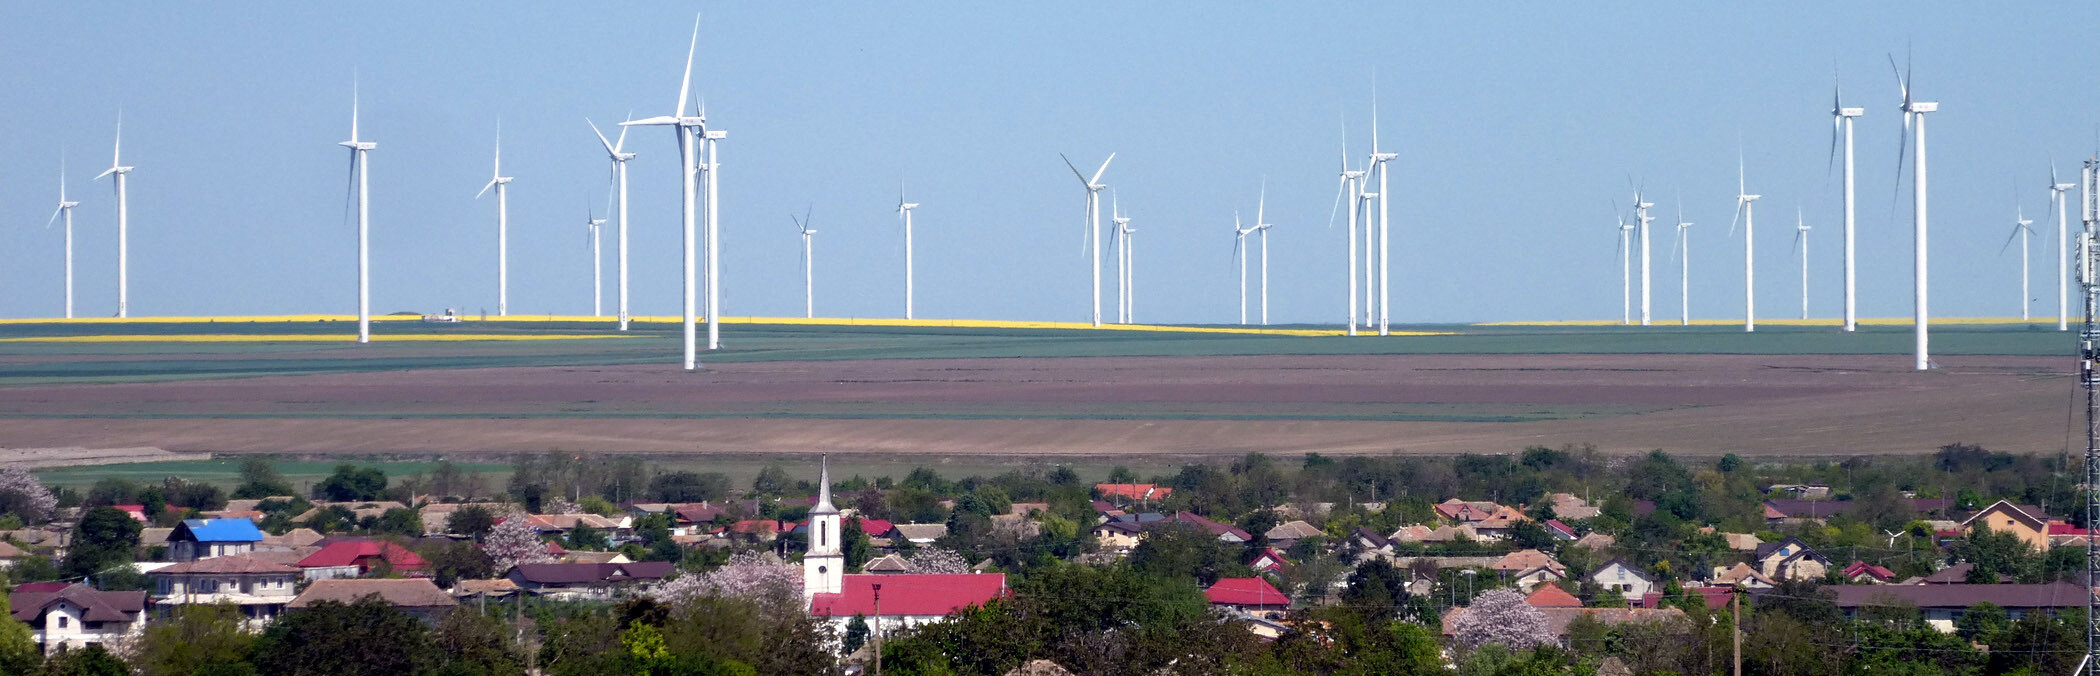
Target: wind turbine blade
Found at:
x=1103, y=170
x=621, y=144
x=601, y=136
x=1261, y=204
x=1737, y=218
x=806, y=211
x=485, y=189
x=116, y=156
x=105, y=172
x=1075, y=170
x=685, y=82
x=2009, y=239
x=1339, y=187
x=660, y=120
x=54, y=214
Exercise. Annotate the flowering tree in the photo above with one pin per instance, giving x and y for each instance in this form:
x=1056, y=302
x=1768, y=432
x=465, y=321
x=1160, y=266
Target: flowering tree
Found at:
x=1501, y=617
x=25, y=497
x=559, y=505
x=936, y=561
x=514, y=542
x=751, y=575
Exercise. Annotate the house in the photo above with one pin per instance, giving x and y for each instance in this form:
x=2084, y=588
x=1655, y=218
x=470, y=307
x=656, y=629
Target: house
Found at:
x=1523, y=560
x=1533, y=577
x=1132, y=492
x=259, y=588
x=1118, y=536
x=1560, y=531
x=1801, y=491
x=888, y=564
x=760, y=530
x=415, y=596
x=136, y=512
x=596, y=581
x=1742, y=575
x=919, y=533
x=1462, y=512
x=437, y=516
x=2067, y=535
x=482, y=590
x=1790, y=559
x=1957, y=574
x=595, y=557
x=1742, y=542
x=195, y=539
x=1552, y=596
x=1861, y=572
x=9, y=554
x=1713, y=597
x=1269, y=561
x=1623, y=578
x=1224, y=532
x=1567, y=506
x=1251, y=595
x=1784, y=510
x=2026, y=522
x=1291, y=532
x=550, y=524
x=1369, y=543
x=361, y=510
x=1943, y=604
x=1499, y=524
x=1596, y=541
x=358, y=558
x=837, y=597
x=78, y=616
x=1410, y=533
x=291, y=540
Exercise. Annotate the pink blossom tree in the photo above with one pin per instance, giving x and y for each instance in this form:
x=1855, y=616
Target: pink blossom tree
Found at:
x=25, y=497
x=750, y=575
x=514, y=542
x=936, y=561
x=560, y=505
x=1501, y=617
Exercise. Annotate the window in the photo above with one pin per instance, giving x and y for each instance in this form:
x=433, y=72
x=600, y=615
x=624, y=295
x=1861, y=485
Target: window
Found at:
x=822, y=529
x=61, y=621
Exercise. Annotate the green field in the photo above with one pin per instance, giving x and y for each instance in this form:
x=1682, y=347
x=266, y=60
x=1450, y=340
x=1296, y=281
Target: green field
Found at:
x=61, y=362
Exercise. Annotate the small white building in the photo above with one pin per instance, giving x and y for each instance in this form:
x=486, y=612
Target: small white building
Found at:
x=78, y=616
x=1625, y=579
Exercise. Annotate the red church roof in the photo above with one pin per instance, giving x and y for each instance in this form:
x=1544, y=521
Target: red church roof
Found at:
x=1245, y=591
x=933, y=595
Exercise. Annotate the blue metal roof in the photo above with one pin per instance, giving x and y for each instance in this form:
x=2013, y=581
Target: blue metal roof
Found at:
x=222, y=530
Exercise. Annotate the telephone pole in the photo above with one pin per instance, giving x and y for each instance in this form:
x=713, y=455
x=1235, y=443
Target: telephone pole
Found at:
x=878, y=629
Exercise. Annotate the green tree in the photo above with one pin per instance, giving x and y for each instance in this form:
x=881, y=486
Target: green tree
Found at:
x=856, y=634
x=583, y=536
x=89, y=661
x=450, y=562
x=336, y=639
x=1183, y=550
x=401, y=521
x=18, y=653
x=472, y=521
x=770, y=482
x=259, y=478
x=195, y=639
x=1982, y=623
x=688, y=487
x=350, y=483
x=856, y=546
x=476, y=644
x=105, y=538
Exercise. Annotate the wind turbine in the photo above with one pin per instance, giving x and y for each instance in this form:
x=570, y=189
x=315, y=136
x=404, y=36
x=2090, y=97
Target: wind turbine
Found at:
x=2021, y=231
x=1801, y=244
x=1745, y=210
x=1841, y=121
x=1683, y=251
x=1914, y=123
x=809, y=287
x=2063, y=268
x=1349, y=186
x=1640, y=210
x=1091, y=243
x=591, y=224
x=1126, y=263
x=1625, y=267
x=617, y=150
x=65, y=208
x=684, y=127
x=1239, y=247
x=1262, y=227
x=502, y=184
x=1378, y=162
x=904, y=211
x=117, y=169
x=359, y=168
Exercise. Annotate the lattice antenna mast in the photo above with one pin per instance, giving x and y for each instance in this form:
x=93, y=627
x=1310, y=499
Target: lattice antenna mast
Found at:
x=2089, y=376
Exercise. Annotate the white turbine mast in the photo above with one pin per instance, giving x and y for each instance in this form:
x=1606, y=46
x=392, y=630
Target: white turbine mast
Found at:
x=2021, y=231
x=1126, y=263
x=65, y=208
x=684, y=127
x=1801, y=245
x=1350, y=188
x=359, y=170
x=1262, y=227
x=1683, y=252
x=1090, y=244
x=1625, y=266
x=1239, y=248
x=904, y=210
x=502, y=185
x=1641, y=217
x=1841, y=123
x=1745, y=211
x=117, y=169
x=2063, y=258
x=617, y=152
x=591, y=225
x=809, y=287
x=1378, y=163
x=1914, y=127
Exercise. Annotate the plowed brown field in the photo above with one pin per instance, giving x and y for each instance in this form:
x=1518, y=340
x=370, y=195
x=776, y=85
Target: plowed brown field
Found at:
x=1788, y=405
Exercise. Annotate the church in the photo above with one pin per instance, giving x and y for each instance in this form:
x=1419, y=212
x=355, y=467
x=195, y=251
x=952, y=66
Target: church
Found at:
x=889, y=602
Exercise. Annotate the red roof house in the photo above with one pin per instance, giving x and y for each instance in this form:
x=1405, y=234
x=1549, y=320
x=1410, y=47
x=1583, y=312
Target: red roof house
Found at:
x=1247, y=593
x=1861, y=571
x=1133, y=491
x=359, y=557
x=1270, y=561
x=921, y=596
x=1552, y=596
x=137, y=512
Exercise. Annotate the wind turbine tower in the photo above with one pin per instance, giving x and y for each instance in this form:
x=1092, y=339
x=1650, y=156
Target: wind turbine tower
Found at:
x=65, y=208
x=904, y=211
x=1262, y=227
x=1914, y=122
x=2021, y=231
x=117, y=169
x=1091, y=242
x=1801, y=244
x=1625, y=268
x=809, y=287
x=360, y=169
x=713, y=137
x=1745, y=207
x=1385, y=262
x=2063, y=258
x=617, y=151
x=1126, y=263
x=591, y=225
x=1239, y=247
x=1841, y=121
x=1684, y=269
x=1351, y=189
x=502, y=184
x=1641, y=216
x=684, y=128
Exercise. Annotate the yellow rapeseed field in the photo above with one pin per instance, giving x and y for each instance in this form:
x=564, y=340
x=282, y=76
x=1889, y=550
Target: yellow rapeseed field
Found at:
x=293, y=338
x=1814, y=321
x=590, y=320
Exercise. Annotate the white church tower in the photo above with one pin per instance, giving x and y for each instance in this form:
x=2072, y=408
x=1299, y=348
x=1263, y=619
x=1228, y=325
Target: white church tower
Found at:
x=824, y=565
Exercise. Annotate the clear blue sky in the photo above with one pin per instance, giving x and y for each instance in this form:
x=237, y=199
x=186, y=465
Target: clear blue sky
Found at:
x=1516, y=125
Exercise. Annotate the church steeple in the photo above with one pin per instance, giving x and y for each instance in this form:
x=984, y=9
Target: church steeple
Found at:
x=824, y=563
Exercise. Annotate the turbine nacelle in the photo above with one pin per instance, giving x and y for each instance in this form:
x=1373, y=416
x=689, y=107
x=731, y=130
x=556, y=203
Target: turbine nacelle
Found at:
x=1919, y=107
x=1851, y=112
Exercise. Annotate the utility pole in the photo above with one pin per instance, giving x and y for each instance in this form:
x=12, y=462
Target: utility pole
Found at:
x=1735, y=621
x=878, y=629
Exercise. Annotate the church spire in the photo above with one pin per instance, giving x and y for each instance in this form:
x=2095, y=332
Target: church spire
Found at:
x=824, y=505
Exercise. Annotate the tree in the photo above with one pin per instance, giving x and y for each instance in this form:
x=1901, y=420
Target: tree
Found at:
x=450, y=562
x=474, y=643
x=583, y=536
x=349, y=483
x=515, y=542
x=689, y=487
x=936, y=561
x=18, y=652
x=25, y=497
x=260, y=479
x=770, y=482
x=106, y=537
x=856, y=634
x=757, y=576
x=1183, y=550
x=1501, y=617
x=401, y=521
x=1982, y=623
x=472, y=521
x=195, y=639
x=89, y=661
x=336, y=639
x=855, y=544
